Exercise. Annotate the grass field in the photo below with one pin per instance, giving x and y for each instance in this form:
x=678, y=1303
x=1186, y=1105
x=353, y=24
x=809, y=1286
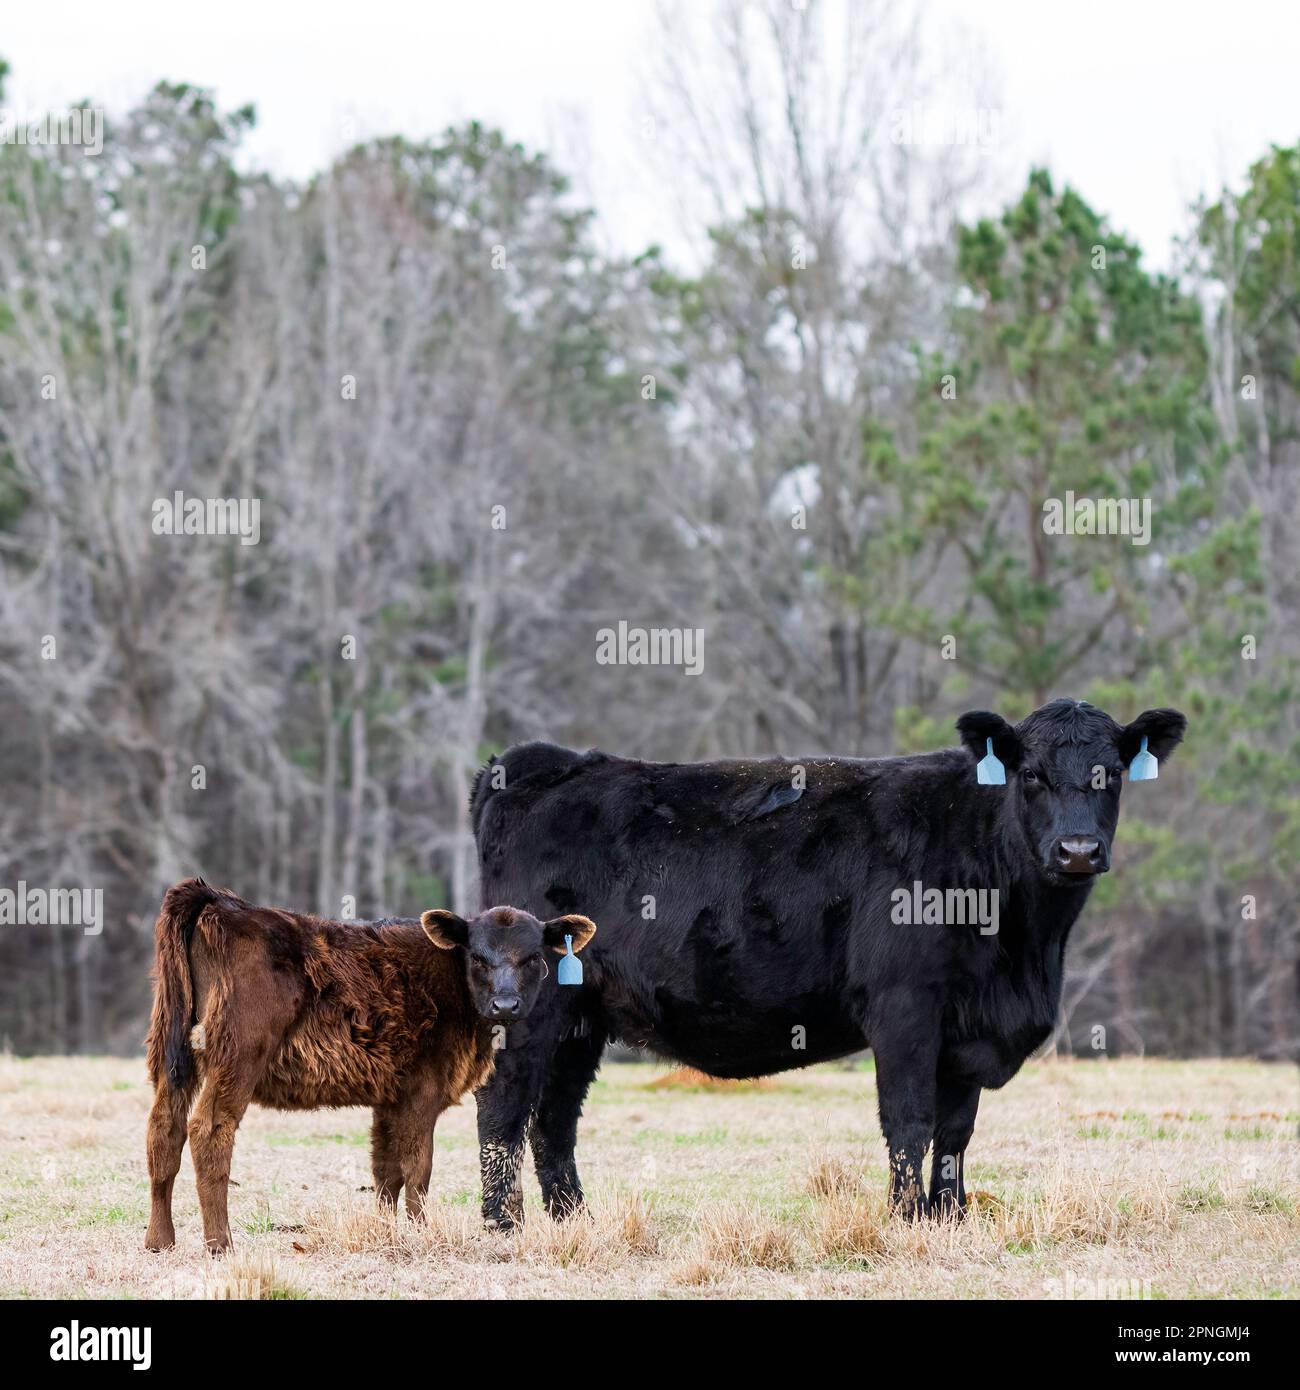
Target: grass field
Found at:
x=1150, y=1179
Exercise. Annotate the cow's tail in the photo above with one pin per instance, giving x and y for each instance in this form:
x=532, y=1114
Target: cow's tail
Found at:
x=170, y=1055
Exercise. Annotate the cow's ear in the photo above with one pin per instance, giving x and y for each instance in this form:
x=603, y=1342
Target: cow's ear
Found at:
x=1163, y=730
x=977, y=726
x=581, y=929
x=445, y=929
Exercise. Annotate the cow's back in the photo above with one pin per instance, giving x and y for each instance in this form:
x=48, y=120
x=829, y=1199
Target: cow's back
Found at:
x=728, y=910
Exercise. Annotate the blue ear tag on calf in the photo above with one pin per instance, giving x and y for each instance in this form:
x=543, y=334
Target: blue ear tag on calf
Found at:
x=1144, y=767
x=570, y=972
x=989, y=771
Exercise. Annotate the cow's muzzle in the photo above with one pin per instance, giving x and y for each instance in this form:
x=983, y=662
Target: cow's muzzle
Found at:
x=1080, y=854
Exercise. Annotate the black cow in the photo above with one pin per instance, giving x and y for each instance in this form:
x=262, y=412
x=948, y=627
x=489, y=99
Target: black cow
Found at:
x=749, y=917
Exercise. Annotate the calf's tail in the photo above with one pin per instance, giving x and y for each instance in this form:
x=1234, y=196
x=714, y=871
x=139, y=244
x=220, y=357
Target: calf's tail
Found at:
x=169, y=1052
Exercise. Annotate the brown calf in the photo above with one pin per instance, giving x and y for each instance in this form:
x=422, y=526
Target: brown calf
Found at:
x=294, y=1012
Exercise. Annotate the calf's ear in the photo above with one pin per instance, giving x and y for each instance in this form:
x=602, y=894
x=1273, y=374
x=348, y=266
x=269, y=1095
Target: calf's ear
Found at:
x=977, y=726
x=581, y=929
x=445, y=929
x=1163, y=730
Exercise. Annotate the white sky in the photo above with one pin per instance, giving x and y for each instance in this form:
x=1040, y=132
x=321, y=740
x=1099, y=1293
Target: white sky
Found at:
x=1141, y=106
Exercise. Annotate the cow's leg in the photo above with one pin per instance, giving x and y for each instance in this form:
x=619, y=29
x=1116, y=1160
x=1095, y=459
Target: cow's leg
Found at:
x=956, y=1104
x=505, y=1107
x=905, y=1041
x=555, y=1125
x=384, y=1162
x=225, y=1096
x=164, y=1145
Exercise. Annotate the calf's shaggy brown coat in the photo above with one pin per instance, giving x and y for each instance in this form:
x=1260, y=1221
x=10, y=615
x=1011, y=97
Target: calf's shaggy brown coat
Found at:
x=295, y=1012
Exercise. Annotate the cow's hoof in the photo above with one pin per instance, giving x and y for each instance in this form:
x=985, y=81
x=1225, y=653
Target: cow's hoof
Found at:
x=562, y=1207
x=156, y=1244
x=502, y=1224
x=945, y=1207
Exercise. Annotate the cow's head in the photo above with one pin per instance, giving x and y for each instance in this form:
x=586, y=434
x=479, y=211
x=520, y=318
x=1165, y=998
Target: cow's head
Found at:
x=1065, y=765
x=504, y=953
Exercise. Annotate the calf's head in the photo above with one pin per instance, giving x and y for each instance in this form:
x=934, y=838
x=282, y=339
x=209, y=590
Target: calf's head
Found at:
x=1065, y=765
x=504, y=954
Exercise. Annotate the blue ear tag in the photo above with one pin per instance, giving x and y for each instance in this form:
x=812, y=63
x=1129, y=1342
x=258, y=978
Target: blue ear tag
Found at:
x=570, y=972
x=1144, y=767
x=989, y=771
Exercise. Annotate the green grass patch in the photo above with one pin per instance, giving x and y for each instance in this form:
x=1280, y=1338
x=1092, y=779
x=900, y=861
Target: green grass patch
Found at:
x=359, y=1139
x=1267, y=1201
x=113, y=1216
x=1202, y=1197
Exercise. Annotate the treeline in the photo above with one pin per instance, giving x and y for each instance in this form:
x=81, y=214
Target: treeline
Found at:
x=476, y=440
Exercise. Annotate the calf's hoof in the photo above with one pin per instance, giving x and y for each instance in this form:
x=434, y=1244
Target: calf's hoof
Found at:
x=164, y=1240
x=507, y=1216
x=912, y=1208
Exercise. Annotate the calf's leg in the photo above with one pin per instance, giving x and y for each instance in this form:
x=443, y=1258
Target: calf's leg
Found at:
x=222, y=1101
x=384, y=1162
x=413, y=1125
x=505, y=1107
x=554, y=1132
x=166, y=1140
x=955, y=1106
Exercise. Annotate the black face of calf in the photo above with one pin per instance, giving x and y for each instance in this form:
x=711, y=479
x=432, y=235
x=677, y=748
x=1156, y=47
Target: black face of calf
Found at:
x=1065, y=765
x=505, y=954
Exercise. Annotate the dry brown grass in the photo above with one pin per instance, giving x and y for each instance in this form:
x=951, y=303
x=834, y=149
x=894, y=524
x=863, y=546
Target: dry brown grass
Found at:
x=743, y=1237
x=849, y=1227
x=1171, y=1179
x=360, y=1226
x=248, y=1277
x=688, y=1079
x=832, y=1175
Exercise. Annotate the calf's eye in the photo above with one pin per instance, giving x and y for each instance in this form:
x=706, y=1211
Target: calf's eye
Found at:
x=1031, y=777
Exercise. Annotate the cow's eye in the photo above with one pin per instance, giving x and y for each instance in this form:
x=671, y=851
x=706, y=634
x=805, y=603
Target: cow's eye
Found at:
x=1031, y=776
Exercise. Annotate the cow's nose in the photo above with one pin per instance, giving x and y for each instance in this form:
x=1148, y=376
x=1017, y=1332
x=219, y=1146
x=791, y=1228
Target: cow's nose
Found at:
x=1079, y=854
x=505, y=1006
